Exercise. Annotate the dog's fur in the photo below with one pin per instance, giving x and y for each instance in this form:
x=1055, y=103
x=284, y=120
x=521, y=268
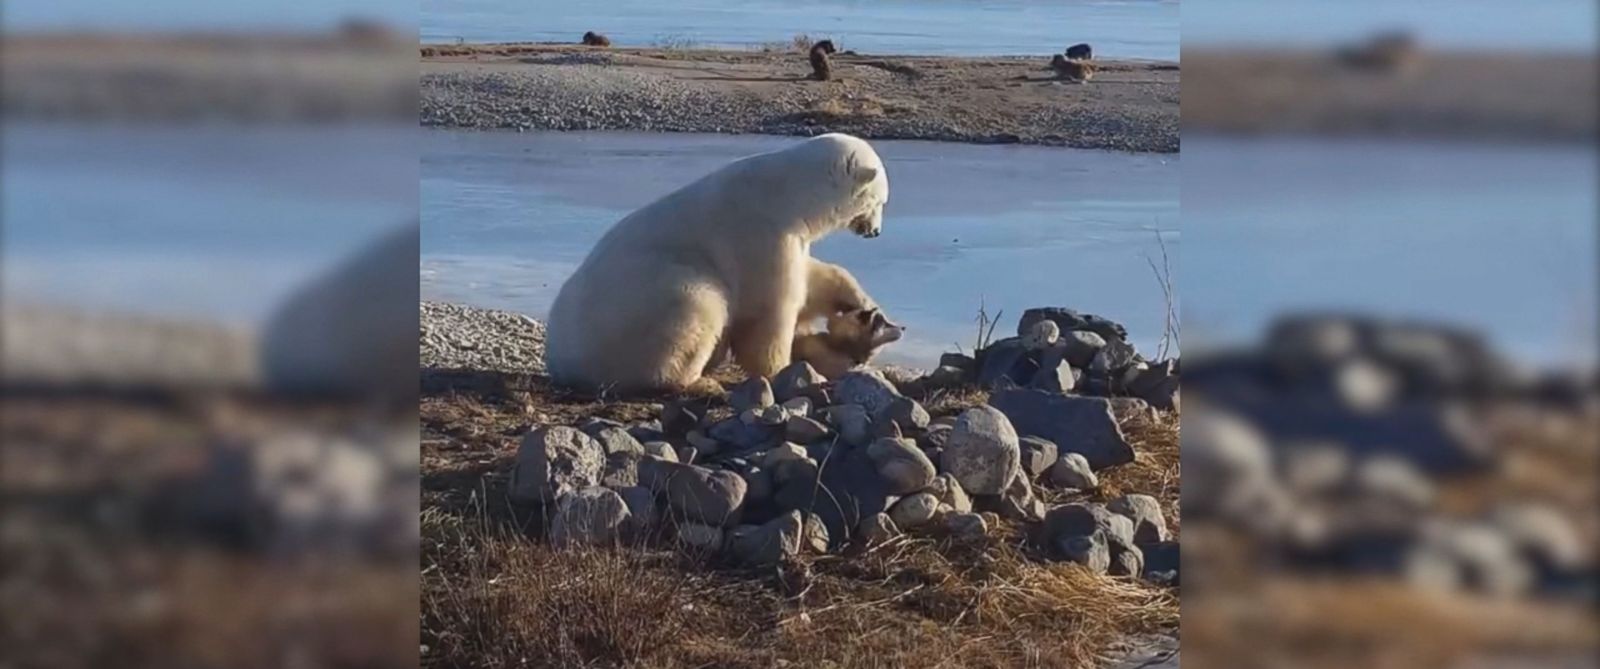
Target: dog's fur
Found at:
x=852, y=338
x=821, y=68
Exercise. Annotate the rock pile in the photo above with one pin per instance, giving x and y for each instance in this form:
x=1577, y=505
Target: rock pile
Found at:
x=798, y=464
x=1327, y=445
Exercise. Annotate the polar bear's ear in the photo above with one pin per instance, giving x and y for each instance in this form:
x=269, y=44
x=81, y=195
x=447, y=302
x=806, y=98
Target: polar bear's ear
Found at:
x=864, y=175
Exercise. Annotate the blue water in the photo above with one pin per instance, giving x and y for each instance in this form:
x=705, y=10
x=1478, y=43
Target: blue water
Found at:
x=508, y=216
x=1497, y=237
x=1116, y=28
x=211, y=223
x=1540, y=25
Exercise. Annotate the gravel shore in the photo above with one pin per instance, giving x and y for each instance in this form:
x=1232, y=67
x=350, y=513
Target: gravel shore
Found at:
x=1129, y=105
x=456, y=336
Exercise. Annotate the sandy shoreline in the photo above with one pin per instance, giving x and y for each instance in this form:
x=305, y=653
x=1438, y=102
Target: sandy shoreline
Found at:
x=1130, y=105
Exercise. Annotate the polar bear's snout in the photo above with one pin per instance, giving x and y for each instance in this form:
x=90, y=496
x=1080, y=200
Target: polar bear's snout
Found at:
x=867, y=225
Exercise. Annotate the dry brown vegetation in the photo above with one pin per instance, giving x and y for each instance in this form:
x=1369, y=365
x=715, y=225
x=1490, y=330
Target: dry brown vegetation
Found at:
x=495, y=594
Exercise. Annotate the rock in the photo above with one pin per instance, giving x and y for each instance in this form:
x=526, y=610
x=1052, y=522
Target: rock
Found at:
x=698, y=494
x=851, y=420
x=758, y=484
x=886, y=429
x=1161, y=563
x=1149, y=525
x=900, y=377
x=983, y=452
x=643, y=512
x=553, y=461
x=905, y=413
x=1038, y=455
x=1007, y=360
x=621, y=470
x=742, y=435
x=1016, y=502
x=961, y=362
x=914, y=510
x=1158, y=385
x=1313, y=468
x=802, y=430
x=679, y=417
x=1486, y=560
x=945, y=376
x=704, y=538
x=614, y=440
x=814, y=536
x=1093, y=551
x=1058, y=378
x=876, y=529
x=1070, y=521
x=702, y=442
x=796, y=380
x=937, y=436
x=772, y=415
x=660, y=449
x=1069, y=320
x=1079, y=348
x=1549, y=540
x=866, y=389
x=965, y=524
x=647, y=431
x=1072, y=471
x=949, y=492
x=591, y=516
x=769, y=543
x=781, y=452
x=1225, y=464
x=845, y=491
x=902, y=465
x=1040, y=336
x=1393, y=480
x=688, y=455
x=790, y=469
x=754, y=393
x=1081, y=425
x=1112, y=359
x=797, y=407
x=1126, y=558
x=594, y=425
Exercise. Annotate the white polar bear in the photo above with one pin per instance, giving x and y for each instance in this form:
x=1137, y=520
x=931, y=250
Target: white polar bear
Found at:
x=726, y=257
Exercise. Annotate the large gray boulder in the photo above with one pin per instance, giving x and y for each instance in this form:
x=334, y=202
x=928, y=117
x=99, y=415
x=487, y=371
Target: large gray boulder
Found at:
x=592, y=516
x=694, y=493
x=1149, y=525
x=1069, y=320
x=983, y=451
x=553, y=461
x=1083, y=425
x=769, y=543
x=867, y=389
x=902, y=465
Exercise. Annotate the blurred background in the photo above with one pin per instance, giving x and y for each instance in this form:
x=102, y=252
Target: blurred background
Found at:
x=1392, y=440
x=208, y=252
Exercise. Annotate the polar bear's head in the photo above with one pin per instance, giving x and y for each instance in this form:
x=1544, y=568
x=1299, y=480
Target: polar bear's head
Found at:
x=864, y=184
x=851, y=195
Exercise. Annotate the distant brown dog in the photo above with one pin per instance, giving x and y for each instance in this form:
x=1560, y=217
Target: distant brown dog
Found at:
x=851, y=340
x=593, y=38
x=1080, y=52
x=1072, y=70
x=821, y=69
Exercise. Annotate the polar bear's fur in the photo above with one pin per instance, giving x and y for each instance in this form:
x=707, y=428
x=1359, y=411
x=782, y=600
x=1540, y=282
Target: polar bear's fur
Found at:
x=726, y=257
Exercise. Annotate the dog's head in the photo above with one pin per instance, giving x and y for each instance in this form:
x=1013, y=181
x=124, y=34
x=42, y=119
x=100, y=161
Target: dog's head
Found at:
x=865, y=325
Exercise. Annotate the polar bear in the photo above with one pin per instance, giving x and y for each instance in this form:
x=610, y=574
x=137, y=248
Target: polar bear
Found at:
x=726, y=258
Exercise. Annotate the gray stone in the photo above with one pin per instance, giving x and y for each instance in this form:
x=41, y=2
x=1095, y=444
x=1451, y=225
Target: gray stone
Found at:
x=1149, y=525
x=753, y=393
x=866, y=389
x=1313, y=468
x=797, y=406
x=965, y=524
x=678, y=417
x=797, y=380
x=702, y=442
x=1093, y=551
x=937, y=435
x=902, y=465
x=886, y=429
x=781, y=452
x=1161, y=562
x=814, y=537
x=1081, y=425
x=1126, y=558
x=1007, y=360
x=1041, y=335
x=591, y=516
x=758, y=484
x=852, y=422
x=983, y=451
x=914, y=510
x=1058, y=378
x=553, y=461
x=621, y=470
x=905, y=413
x=959, y=361
x=1071, y=319
x=742, y=435
x=1078, y=348
x=649, y=430
x=949, y=491
x=1016, y=502
x=1158, y=385
x=688, y=455
x=1037, y=455
x=945, y=376
x=876, y=529
x=1393, y=480
x=614, y=440
x=1070, y=521
x=594, y=425
x=694, y=493
x=1072, y=471
x=1547, y=538
x=769, y=543
x=772, y=415
x=660, y=449
x=803, y=430
x=642, y=509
